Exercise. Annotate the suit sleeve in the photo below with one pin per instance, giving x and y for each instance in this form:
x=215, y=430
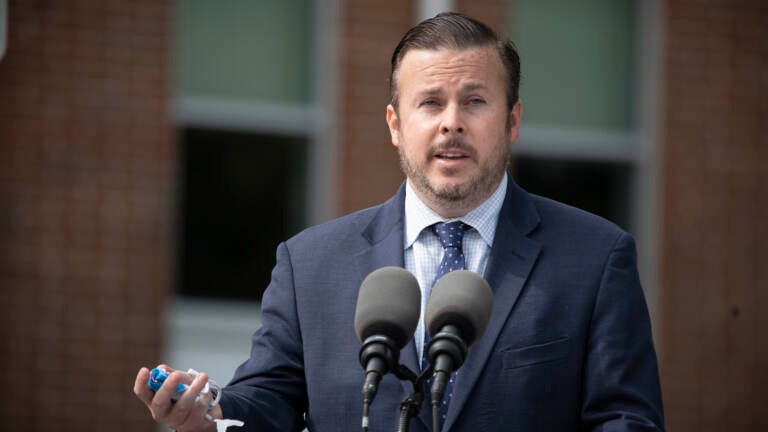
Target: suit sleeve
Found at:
x=268, y=391
x=621, y=386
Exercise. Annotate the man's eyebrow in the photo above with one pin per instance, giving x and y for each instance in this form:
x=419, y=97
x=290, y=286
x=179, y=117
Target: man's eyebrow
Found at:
x=474, y=86
x=436, y=91
x=433, y=91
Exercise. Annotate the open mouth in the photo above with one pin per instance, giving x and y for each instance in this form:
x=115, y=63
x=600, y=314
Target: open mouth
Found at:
x=451, y=155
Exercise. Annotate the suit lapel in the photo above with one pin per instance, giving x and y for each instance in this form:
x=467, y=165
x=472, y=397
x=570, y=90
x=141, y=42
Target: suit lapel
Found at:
x=384, y=235
x=512, y=257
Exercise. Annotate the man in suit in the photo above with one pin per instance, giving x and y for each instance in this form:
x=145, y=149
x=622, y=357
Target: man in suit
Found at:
x=568, y=345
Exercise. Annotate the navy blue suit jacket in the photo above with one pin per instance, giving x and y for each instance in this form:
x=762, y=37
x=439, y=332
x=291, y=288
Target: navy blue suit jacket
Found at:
x=568, y=346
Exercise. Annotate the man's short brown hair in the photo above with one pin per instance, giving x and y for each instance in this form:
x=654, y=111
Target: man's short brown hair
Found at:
x=456, y=31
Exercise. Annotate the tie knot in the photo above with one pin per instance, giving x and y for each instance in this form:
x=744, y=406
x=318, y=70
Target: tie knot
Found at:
x=450, y=234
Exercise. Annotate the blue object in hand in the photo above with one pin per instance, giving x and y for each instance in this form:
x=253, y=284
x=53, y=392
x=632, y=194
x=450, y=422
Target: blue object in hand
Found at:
x=157, y=377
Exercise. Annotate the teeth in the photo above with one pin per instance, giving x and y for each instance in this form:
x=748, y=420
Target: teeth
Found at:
x=451, y=155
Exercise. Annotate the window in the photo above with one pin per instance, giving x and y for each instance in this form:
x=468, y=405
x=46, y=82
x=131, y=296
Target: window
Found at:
x=577, y=142
x=595, y=186
x=253, y=101
x=241, y=194
x=250, y=135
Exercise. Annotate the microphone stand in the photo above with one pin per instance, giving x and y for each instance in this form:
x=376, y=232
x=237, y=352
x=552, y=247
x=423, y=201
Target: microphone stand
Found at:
x=411, y=405
x=379, y=351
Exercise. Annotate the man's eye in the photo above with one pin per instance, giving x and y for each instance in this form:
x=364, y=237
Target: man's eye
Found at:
x=429, y=102
x=476, y=101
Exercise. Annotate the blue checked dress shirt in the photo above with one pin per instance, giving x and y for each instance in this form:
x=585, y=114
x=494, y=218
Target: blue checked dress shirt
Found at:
x=423, y=251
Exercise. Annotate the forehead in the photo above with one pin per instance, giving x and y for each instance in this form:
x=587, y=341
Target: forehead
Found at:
x=425, y=67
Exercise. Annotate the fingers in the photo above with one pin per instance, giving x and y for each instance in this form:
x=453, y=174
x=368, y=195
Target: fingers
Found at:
x=162, y=401
x=191, y=407
x=140, y=387
x=189, y=411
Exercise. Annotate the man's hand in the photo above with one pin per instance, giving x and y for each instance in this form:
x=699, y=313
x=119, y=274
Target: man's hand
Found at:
x=188, y=414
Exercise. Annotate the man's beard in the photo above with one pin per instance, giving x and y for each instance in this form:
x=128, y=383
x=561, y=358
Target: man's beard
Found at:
x=471, y=192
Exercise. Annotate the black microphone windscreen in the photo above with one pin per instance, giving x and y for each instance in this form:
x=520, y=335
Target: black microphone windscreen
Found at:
x=388, y=304
x=463, y=299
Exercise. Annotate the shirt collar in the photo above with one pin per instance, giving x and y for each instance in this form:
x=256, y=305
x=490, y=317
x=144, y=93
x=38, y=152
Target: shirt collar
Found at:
x=483, y=218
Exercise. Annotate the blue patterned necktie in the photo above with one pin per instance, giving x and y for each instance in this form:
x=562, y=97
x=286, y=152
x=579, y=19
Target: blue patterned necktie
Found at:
x=451, y=236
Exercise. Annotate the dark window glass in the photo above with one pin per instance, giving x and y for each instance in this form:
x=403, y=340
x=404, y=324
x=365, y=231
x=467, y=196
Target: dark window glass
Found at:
x=241, y=194
x=602, y=188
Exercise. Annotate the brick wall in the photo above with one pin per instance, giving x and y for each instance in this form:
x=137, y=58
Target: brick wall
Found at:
x=86, y=173
x=492, y=12
x=714, y=277
x=87, y=163
x=369, y=171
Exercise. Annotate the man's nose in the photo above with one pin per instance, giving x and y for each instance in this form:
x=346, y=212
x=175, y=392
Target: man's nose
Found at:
x=452, y=121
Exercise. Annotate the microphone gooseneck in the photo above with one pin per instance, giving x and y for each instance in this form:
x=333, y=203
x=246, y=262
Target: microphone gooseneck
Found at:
x=387, y=311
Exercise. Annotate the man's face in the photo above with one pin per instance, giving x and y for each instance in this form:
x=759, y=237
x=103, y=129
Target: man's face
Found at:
x=452, y=127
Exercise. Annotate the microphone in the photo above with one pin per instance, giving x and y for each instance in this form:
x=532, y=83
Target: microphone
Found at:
x=387, y=311
x=457, y=313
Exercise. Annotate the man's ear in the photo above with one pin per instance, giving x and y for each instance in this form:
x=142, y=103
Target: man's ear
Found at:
x=394, y=125
x=515, y=115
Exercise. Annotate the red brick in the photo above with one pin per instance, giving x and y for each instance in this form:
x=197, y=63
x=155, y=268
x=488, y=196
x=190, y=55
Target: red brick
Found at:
x=71, y=99
x=712, y=272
